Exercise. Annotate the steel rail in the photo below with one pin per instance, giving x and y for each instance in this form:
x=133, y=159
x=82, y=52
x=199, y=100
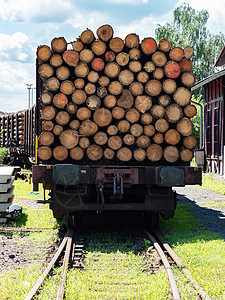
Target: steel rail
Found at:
x=175, y=292
x=61, y=289
x=41, y=279
x=177, y=260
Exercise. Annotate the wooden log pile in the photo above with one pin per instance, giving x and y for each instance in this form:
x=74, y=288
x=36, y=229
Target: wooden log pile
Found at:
x=116, y=99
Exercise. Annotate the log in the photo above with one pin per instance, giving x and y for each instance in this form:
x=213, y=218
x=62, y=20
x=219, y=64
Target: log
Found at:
x=126, y=100
x=71, y=108
x=172, y=69
x=93, y=102
x=115, y=88
x=46, y=138
x=190, y=111
x=118, y=113
x=126, y=77
x=83, y=113
x=52, y=84
x=94, y=152
x=87, y=36
x=153, y=87
x=98, y=64
x=154, y=152
x=57, y=130
x=46, y=98
x=124, y=154
x=62, y=118
x=60, y=100
x=169, y=86
x=135, y=66
x=171, y=154
x=134, y=54
x=102, y=117
x=102, y=92
x=103, y=81
x=149, y=66
x=173, y=113
x=81, y=70
x=136, y=88
x=176, y=54
x=164, y=45
x=158, y=74
x=79, y=97
x=129, y=139
x=60, y=153
x=69, y=138
x=44, y=153
x=136, y=130
x=182, y=96
x=159, y=59
x=56, y=60
x=110, y=56
x=116, y=44
x=186, y=155
x=172, y=137
x=188, y=79
x=143, y=141
x=157, y=111
x=148, y=46
x=185, y=126
x=109, y=153
x=90, y=88
x=79, y=83
x=100, y=138
x=123, y=126
x=46, y=71
x=115, y=142
x=47, y=125
x=48, y=113
x=164, y=100
x=149, y=130
x=158, y=138
x=142, y=77
x=93, y=77
x=84, y=142
x=185, y=65
x=86, y=56
x=110, y=101
x=143, y=103
x=44, y=53
x=188, y=52
x=112, y=130
x=132, y=115
x=146, y=118
x=122, y=59
x=112, y=70
x=139, y=154
x=105, y=32
x=190, y=142
x=76, y=153
x=74, y=124
x=98, y=47
x=71, y=58
x=161, y=125
x=132, y=40
x=67, y=87
x=62, y=73
x=78, y=46
x=59, y=45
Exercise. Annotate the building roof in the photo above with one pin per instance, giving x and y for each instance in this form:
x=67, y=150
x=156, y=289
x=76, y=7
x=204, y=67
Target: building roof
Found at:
x=207, y=80
x=221, y=58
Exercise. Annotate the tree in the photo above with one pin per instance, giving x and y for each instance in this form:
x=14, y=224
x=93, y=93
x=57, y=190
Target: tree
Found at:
x=189, y=29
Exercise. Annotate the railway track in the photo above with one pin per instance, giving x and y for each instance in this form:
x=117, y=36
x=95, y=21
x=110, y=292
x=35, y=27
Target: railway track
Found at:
x=74, y=255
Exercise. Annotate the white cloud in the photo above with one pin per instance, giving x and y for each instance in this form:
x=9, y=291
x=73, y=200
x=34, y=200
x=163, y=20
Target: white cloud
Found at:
x=129, y=1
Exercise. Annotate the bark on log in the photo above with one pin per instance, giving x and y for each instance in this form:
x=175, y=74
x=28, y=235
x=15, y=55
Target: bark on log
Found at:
x=71, y=58
x=46, y=98
x=94, y=152
x=93, y=77
x=148, y=46
x=186, y=155
x=161, y=125
x=129, y=139
x=126, y=77
x=132, y=115
x=112, y=70
x=169, y=86
x=142, y=77
x=48, y=113
x=87, y=36
x=71, y=108
x=44, y=53
x=176, y=54
x=47, y=125
x=79, y=83
x=132, y=40
x=164, y=100
x=153, y=87
x=74, y=124
x=188, y=79
x=185, y=126
x=146, y=118
x=123, y=126
x=46, y=71
x=190, y=142
x=46, y=138
x=90, y=88
x=159, y=59
x=134, y=54
x=158, y=138
x=154, y=152
x=115, y=142
x=86, y=56
x=136, y=130
x=158, y=74
x=78, y=46
x=105, y=32
x=63, y=73
x=109, y=153
x=118, y=113
x=172, y=137
x=52, y=84
x=69, y=138
x=143, y=103
x=57, y=130
x=164, y=45
x=149, y=130
x=190, y=111
x=84, y=142
x=44, y=153
x=116, y=44
x=79, y=97
x=56, y=60
x=173, y=113
x=60, y=100
x=126, y=100
x=102, y=117
x=112, y=130
x=98, y=47
x=110, y=101
x=59, y=45
x=171, y=154
x=143, y=141
x=83, y=113
x=100, y=138
x=62, y=118
x=182, y=96
x=157, y=111
x=76, y=153
x=135, y=66
x=124, y=154
x=115, y=88
x=139, y=154
x=122, y=59
x=81, y=70
x=60, y=153
x=67, y=87
x=93, y=102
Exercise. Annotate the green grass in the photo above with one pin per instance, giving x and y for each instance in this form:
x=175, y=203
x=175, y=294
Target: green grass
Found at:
x=210, y=184
x=23, y=190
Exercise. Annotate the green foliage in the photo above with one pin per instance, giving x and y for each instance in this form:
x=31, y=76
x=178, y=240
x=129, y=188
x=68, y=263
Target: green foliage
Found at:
x=3, y=154
x=189, y=29
x=196, y=120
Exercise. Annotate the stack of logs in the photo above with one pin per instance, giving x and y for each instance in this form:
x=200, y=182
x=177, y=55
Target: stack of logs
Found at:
x=114, y=99
x=12, y=129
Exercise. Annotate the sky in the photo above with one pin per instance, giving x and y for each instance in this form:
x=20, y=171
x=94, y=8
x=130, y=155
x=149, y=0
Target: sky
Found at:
x=26, y=24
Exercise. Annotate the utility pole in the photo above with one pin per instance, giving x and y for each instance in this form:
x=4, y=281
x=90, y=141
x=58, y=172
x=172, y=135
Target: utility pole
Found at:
x=29, y=87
